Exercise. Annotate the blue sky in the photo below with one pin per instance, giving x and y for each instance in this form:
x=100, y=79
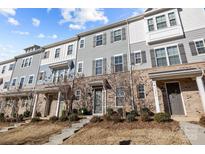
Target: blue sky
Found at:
x=20, y=28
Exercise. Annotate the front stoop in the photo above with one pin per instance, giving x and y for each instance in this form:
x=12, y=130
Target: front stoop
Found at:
x=57, y=139
x=185, y=118
x=194, y=132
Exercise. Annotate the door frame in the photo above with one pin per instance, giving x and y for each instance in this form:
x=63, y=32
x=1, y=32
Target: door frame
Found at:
x=97, y=114
x=183, y=104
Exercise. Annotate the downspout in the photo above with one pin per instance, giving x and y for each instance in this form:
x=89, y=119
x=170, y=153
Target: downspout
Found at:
x=131, y=77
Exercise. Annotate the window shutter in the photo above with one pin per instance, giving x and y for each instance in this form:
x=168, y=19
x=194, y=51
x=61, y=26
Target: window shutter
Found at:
x=152, y=54
x=104, y=38
x=132, y=58
x=94, y=68
x=182, y=53
x=125, y=62
x=112, y=36
x=193, y=48
x=104, y=65
x=123, y=33
x=143, y=55
x=112, y=64
x=94, y=41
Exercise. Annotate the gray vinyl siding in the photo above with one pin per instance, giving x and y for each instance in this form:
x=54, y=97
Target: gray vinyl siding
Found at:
x=189, y=36
x=90, y=53
x=26, y=71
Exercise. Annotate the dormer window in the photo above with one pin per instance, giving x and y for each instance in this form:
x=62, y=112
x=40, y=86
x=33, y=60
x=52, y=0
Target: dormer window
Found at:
x=161, y=22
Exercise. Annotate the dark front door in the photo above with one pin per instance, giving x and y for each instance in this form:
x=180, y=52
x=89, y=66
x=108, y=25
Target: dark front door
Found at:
x=97, y=101
x=175, y=100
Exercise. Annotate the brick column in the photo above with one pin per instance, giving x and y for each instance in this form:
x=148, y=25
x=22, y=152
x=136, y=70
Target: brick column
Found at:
x=201, y=89
x=156, y=99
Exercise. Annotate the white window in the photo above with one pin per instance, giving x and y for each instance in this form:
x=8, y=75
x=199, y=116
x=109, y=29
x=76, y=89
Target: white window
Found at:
x=150, y=24
x=46, y=54
x=30, y=61
x=172, y=19
x=138, y=57
x=99, y=66
x=82, y=43
x=13, y=82
x=118, y=63
x=57, y=53
x=117, y=34
x=167, y=56
x=141, y=91
x=70, y=50
x=6, y=85
x=77, y=94
x=200, y=47
x=99, y=40
x=26, y=62
x=41, y=75
x=161, y=22
x=11, y=66
x=30, y=80
x=3, y=69
x=120, y=96
x=80, y=67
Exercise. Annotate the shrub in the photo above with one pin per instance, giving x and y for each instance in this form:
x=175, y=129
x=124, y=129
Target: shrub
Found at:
x=65, y=113
x=106, y=117
x=145, y=116
x=2, y=118
x=53, y=119
x=36, y=119
x=27, y=113
x=130, y=117
x=162, y=117
x=38, y=114
x=73, y=117
x=63, y=118
x=109, y=111
x=10, y=119
x=120, y=111
x=20, y=118
x=145, y=109
x=134, y=112
x=202, y=120
x=116, y=117
x=95, y=119
x=83, y=111
x=75, y=111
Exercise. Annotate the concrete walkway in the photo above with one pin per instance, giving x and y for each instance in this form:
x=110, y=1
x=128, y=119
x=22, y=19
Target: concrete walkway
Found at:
x=5, y=129
x=57, y=139
x=195, y=133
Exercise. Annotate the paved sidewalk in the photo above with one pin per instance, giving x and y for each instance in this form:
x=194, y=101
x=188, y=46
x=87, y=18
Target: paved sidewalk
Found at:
x=195, y=133
x=57, y=139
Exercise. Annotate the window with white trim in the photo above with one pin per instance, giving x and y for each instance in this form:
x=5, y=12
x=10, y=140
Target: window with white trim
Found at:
x=13, y=82
x=70, y=49
x=11, y=66
x=30, y=80
x=3, y=69
x=172, y=19
x=99, y=67
x=118, y=63
x=77, y=94
x=80, y=67
x=138, y=57
x=26, y=62
x=200, y=47
x=57, y=53
x=41, y=75
x=99, y=40
x=167, y=56
x=6, y=85
x=46, y=54
x=82, y=43
x=120, y=96
x=150, y=23
x=141, y=91
x=161, y=22
x=117, y=34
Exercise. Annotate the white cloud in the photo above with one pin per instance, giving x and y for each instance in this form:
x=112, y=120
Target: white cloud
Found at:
x=8, y=12
x=20, y=32
x=79, y=17
x=138, y=11
x=54, y=36
x=13, y=21
x=35, y=22
x=8, y=51
x=41, y=35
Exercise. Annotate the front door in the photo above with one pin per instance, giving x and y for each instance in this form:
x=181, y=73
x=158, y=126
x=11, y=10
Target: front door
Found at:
x=175, y=99
x=21, y=83
x=97, y=101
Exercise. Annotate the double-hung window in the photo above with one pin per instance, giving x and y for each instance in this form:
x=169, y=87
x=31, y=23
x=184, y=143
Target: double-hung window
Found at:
x=172, y=19
x=70, y=49
x=161, y=22
x=161, y=57
x=3, y=69
x=138, y=57
x=141, y=91
x=30, y=61
x=82, y=43
x=30, y=80
x=11, y=66
x=118, y=63
x=173, y=55
x=99, y=66
x=99, y=40
x=117, y=35
x=6, y=85
x=200, y=47
x=13, y=82
x=150, y=23
x=57, y=53
x=120, y=96
x=80, y=67
x=46, y=54
x=77, y=94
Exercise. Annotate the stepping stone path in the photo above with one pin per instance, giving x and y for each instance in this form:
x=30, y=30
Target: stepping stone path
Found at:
x=195, y=133
x=57, y=139
x=5, y=129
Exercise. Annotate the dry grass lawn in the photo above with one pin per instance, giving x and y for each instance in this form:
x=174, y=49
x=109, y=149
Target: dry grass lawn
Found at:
x=137, y=132
x=32, y=133
x=5, y=124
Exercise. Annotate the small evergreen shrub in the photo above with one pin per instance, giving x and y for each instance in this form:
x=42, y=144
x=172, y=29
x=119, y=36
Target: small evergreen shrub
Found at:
x=162, y=117
x=83, y=111
x=145, y=109
x=36, y=119
x=95, y=119
x=63, y=118
x=109, y=111
x=106, y=117
x=202, y=120
x=130, y=117
x=134, y=112
x=145, y=116
x=116, y=117
x=27, y=114
x=53, y=119
x=73, y=117
x=120, y=111
x=38, y=114
x=2, y=118
x=20, y=118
